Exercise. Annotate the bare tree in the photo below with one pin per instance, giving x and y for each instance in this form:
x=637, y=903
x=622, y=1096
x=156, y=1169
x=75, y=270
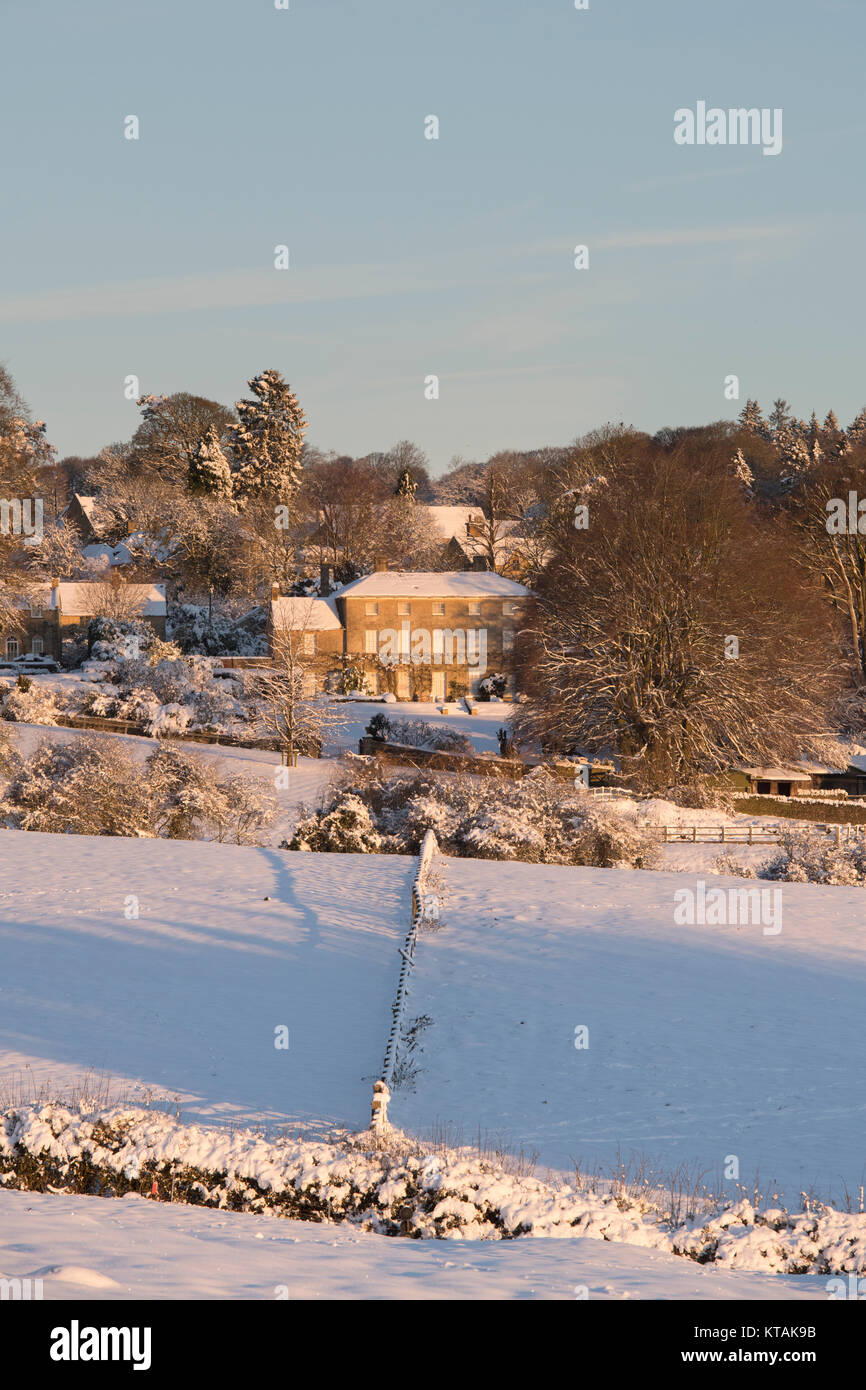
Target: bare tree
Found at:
x=676, y=631
x=286, y=705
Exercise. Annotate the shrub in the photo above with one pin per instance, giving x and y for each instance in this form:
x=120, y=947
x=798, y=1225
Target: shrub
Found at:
x=808, y=856
x=492, y=685
x=535, y=820
x=88, y=786
x=418, y=733
x=31, y=703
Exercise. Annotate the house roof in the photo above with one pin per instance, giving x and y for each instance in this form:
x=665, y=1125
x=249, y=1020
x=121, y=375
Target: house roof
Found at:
x=80, y=600
x=777, y=774
x=451, y=521
x=435, y=584
x=305, y=614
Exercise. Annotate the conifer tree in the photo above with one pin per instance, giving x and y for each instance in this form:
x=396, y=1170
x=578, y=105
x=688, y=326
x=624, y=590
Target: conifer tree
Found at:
x=209, y=470
x=268, y=440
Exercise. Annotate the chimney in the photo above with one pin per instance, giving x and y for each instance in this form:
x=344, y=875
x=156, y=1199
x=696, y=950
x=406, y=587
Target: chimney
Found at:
x=275, y=592
x=324, y=580
x=381, y=564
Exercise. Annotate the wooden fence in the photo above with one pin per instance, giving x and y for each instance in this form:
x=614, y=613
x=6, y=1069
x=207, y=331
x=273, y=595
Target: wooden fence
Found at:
x=750, y=834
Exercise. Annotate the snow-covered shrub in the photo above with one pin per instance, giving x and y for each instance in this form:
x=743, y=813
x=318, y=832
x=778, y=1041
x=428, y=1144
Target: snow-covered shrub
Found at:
x=88, y=786
x=28, y=702
x=418, y=733
x=119, y=639
x=346, y=829
x=218, y=635
x=192, y=801
x=810, y=856
x=9, y=755
x=608, y=839
x=167, y=695
x=702, y=794
x=535, y=820
x=492, y=686
x=378, y=727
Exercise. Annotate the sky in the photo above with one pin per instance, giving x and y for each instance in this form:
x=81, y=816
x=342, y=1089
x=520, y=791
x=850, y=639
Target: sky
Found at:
x=410, y=257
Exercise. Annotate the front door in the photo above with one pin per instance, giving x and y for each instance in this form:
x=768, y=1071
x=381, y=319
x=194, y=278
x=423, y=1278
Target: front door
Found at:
x=438, y=686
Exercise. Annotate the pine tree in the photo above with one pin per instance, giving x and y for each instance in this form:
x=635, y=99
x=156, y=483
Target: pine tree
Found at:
x=268, y=440
x=209, y=471
x=779, y=415
x=857, y=428
x=405, y=486
x=831, y=424
x=751, y=418
x=742, y=471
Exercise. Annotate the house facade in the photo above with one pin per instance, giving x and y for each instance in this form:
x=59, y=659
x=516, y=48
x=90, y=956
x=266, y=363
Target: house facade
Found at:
x=56, y=615
x=423, y=635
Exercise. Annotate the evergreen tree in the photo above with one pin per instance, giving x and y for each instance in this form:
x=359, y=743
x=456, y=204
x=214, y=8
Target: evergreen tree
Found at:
x=831, y=424
x=742, y=471
x=405, y=486
x=751, y=418
x=209, y=471
x=857, y=428
x=779, y=415
x=268, y=440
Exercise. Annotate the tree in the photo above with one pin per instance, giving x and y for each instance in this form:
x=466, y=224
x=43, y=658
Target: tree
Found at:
x=209, y=471
x=285, y=706
x=628, y=647
x=171, y=430
x=268, y=440
x=405, y=486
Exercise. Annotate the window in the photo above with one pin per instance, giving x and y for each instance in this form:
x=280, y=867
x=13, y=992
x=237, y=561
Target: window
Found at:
x=35, y=608
x=310, y=644
x=12, y=648
x=370, y=642
x=309, y=685
x=37, y=646
x=371, y=610
x=475, y=606
x=507, y=639
x=509, y=609
x=438, y=609
x=403, y=609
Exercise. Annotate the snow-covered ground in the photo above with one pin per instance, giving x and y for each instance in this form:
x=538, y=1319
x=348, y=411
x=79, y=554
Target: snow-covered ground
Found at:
x=480, y=727
x=704, y=1041
x=229, y=944
x=91, y=1248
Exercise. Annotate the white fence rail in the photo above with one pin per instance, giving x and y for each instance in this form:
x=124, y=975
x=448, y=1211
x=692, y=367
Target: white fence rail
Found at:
x=753, y=834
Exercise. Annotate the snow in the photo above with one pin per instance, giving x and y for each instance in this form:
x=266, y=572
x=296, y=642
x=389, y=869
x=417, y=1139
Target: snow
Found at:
x=229, y=944
x=306, y=614
x=480, y=728
x=151, y=1250
x=434, y=584
x=704, y=1041
x=77, y=600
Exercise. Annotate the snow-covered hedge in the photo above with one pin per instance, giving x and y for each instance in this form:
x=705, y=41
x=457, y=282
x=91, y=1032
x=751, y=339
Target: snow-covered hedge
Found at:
x=393, y=1187
x=537, y=820
x=93, y=786
x=418, y=733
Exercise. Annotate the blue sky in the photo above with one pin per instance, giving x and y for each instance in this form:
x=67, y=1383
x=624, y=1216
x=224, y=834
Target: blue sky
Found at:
x=411, y=257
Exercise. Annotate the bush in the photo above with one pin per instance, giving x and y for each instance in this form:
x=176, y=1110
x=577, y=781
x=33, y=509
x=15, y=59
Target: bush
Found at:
x=492, y=685
x=536, y=821
x=91, y=785
x=808, y=856
x=418, y=733
x=30, y=703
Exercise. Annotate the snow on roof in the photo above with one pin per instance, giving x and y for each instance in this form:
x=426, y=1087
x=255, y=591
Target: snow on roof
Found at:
x=451, y=521
x=777, y=774
x=305, y=614
x=81, y=600
x=435, y=584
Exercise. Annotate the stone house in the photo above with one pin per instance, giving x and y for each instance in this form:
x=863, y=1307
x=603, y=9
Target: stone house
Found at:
x=423, y=634
x=58, y=613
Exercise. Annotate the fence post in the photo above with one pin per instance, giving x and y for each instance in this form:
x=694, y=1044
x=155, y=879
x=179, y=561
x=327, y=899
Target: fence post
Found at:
x=750, y=834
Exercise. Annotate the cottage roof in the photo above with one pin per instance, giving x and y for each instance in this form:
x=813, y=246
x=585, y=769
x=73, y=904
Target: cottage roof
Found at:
x=82, y=600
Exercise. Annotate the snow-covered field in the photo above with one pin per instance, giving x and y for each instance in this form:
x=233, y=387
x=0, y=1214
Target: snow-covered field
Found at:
x=704, y=1042
x=229, y=944
x=89, y=1248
